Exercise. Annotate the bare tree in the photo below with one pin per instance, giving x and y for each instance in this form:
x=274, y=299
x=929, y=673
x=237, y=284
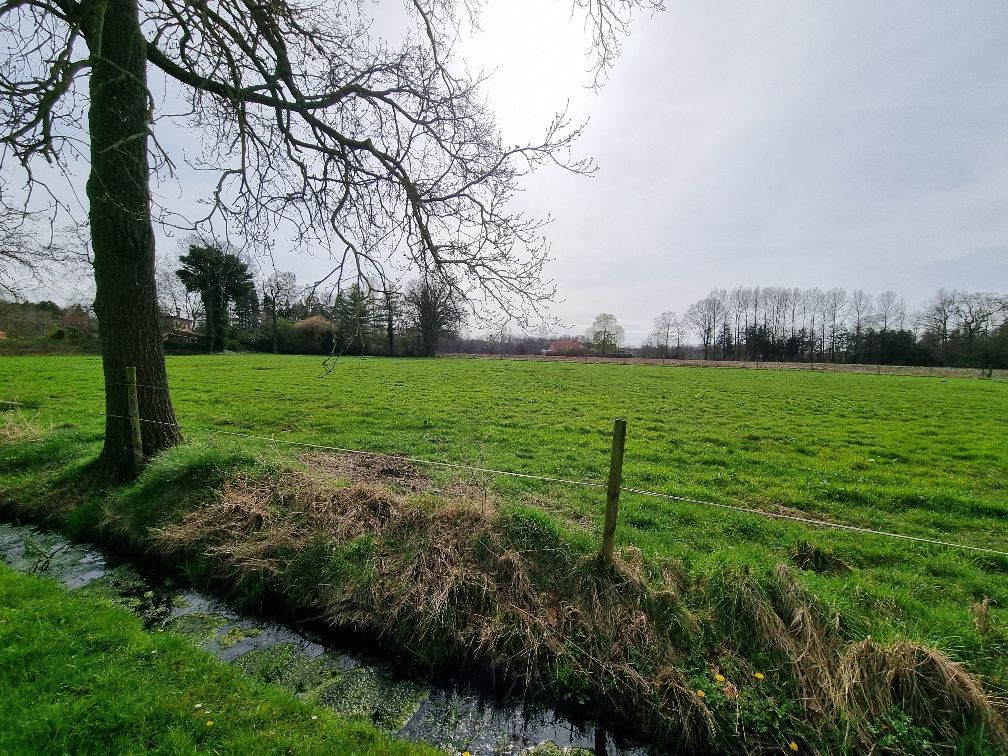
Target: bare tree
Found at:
x=279, y=292
x=936, y=317
x=32, y=252
x=814, y=302
x=702, y=317
x=664, y=329
x=435, y=311
x=738, y=306
x=862, y=307
x=313, y=126
x=605, y=334
x=19, y=254
x=172, y=297
x=836, y=313
x=890, y=310
x=975, y=312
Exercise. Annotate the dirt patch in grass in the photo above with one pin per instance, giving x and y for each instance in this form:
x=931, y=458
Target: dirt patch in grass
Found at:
x=449, y=578
x=367, y=468
x=808, y=556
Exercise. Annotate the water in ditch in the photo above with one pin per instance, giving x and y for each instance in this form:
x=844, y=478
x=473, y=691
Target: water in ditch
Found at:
x=449, y=715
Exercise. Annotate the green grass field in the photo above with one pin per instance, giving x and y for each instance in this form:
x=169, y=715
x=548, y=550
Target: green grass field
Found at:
x=921, y=456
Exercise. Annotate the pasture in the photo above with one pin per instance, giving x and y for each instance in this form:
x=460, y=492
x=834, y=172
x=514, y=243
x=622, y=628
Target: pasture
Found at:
x=921, y=456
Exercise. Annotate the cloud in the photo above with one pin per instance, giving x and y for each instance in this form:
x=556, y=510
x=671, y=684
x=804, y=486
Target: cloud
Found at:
x=856, y=144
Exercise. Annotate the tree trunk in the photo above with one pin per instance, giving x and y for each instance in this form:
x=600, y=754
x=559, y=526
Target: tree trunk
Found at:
x=391, y=335
x=211, y=320
x=429, y=338
x=123, y=241
x=274, y=328
x=221, y=324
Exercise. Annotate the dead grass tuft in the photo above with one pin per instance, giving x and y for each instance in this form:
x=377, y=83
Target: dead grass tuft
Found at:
x=812, y=639
x=980, y=612
x=17, y=426
x=873, y=678
x=808, y=556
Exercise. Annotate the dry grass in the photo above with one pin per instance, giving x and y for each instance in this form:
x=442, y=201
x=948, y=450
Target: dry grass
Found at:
x=872, y=678
x=16, y=425
x=980, y=612
x=455, y=576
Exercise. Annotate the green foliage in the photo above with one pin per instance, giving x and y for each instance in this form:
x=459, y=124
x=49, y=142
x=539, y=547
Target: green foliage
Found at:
x=895, y=733
x=221, y=279
x=83, y=677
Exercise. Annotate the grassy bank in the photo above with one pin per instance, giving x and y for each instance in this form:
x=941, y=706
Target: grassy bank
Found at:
x=77, y=676
x=445, y=566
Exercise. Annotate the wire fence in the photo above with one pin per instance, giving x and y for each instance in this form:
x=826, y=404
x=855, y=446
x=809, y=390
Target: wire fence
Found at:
x=737, y=507
x=817, y=366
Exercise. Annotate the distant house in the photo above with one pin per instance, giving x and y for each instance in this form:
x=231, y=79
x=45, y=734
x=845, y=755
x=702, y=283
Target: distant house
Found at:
x=565, y=348
x=175, y=327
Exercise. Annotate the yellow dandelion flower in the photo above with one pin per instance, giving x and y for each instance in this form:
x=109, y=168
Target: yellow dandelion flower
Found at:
x=758, y=675
x=209, y=723
x=700, y=693
x=793, y=746
x=719, y=678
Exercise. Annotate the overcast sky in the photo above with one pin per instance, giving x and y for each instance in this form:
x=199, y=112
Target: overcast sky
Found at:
x=855, y=144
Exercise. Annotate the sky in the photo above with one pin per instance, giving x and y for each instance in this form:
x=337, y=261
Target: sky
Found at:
x=774, y=143
x=854, y=144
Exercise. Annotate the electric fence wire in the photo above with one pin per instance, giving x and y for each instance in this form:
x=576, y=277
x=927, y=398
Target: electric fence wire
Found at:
x=596, y=485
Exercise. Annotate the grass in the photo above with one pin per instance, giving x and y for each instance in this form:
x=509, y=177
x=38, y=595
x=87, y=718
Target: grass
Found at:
x=922, y=456
x=79, y=676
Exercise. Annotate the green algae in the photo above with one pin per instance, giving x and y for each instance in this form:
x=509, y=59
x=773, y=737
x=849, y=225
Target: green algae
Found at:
x=120, y=585
x=549, y=748
x=237, y=634
x=285, y=666
x=369, y=693
x=197, y=627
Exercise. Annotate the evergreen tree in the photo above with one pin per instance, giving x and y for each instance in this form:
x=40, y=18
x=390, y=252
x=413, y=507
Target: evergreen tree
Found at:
x=221, y=279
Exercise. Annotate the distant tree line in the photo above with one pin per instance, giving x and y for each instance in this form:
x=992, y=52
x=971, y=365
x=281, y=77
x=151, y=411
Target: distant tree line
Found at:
x=954, y=328
x=604, y=338
x=232, y=307
x=44, y=321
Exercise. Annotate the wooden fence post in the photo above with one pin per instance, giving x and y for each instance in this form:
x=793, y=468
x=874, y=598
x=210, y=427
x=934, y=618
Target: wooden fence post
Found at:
x=612, y=495
x=133, y=410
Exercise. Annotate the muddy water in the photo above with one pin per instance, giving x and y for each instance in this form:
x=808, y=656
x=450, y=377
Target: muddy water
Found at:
x=447, y=715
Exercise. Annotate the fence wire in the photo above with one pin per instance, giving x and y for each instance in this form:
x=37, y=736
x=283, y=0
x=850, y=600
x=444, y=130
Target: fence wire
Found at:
x=739, y=508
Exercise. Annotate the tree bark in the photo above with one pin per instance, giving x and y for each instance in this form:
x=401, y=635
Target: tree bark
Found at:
x=122, y=237
x=390, y=332
x=274, y=316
